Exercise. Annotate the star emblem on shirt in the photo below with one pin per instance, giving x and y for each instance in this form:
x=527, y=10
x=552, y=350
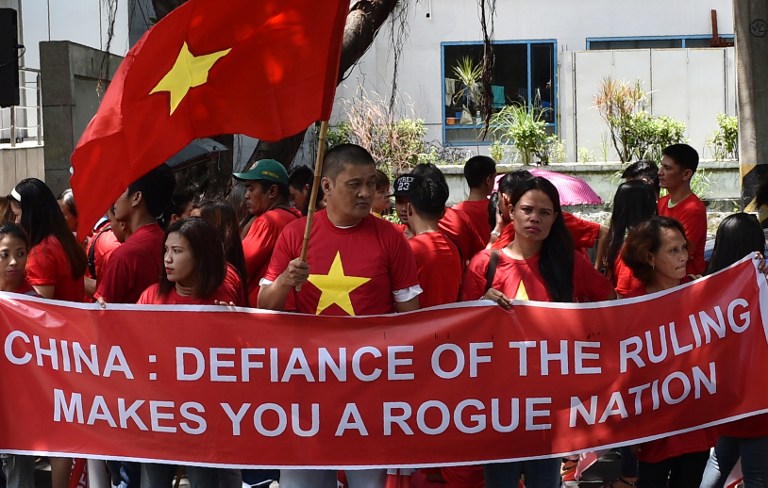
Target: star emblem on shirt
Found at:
x=336, y=286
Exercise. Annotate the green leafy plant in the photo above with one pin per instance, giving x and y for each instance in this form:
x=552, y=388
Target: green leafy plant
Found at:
x=469, y=74
x=616, y=102
x=497, y=150
x=635, y=133
x=521, y=126
x=725, y=140
x=585, y=155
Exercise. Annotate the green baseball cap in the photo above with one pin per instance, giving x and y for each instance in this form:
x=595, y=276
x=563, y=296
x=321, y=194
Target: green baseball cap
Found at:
x=267, y=170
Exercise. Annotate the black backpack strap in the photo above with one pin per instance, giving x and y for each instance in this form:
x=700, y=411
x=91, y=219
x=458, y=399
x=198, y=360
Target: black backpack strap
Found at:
x=92, y=252
x=491, y=271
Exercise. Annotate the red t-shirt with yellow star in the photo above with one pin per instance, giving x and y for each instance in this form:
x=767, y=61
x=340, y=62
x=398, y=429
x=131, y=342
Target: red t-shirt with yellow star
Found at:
x=521, y=279
x=353, y=271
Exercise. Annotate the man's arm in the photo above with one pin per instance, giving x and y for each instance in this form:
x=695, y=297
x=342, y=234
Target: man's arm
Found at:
x=272, y=296
x=407, y=306
x=602, y=243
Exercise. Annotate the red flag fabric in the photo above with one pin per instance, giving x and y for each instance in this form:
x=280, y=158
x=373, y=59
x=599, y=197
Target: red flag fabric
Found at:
x=267, y=69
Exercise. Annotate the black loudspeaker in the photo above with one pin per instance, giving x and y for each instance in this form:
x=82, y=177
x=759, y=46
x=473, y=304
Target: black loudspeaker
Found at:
x=9, y=58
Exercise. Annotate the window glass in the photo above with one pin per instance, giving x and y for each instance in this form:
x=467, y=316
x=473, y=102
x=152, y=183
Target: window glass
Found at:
x=524, y=73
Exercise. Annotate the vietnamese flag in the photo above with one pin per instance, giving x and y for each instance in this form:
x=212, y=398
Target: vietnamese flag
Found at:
x=264, y=68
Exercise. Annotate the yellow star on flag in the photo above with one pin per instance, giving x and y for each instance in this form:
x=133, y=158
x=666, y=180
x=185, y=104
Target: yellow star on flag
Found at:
x=521, y=293
x=188, y=72
x=335, y=287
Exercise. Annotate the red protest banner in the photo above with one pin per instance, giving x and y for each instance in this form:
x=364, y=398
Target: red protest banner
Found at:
x=465, y=384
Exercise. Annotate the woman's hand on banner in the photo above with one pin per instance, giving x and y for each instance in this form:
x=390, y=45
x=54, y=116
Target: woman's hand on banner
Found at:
x=496, y=296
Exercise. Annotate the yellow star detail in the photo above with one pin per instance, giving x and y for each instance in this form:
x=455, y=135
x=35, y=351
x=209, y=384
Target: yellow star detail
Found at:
x=335, y=287
x=521, y=293
x=188, y=72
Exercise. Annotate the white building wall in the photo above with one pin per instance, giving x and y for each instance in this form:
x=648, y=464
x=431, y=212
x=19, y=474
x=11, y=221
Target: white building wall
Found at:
x=81, y=21
x=569, y=22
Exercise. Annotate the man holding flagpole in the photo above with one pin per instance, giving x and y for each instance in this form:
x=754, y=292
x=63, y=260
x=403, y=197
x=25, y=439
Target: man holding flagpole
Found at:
x=357, y=264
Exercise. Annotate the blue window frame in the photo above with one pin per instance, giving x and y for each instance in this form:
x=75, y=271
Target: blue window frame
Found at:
x=525, y=72
x=652, y=42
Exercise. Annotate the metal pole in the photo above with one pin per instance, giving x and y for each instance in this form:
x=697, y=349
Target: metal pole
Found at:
x=13, y=126
x=38, y=92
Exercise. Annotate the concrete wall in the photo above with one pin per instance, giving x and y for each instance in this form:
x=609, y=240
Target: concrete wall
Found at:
x=567, y=22
x=19, y=163
x=723, y=178
x=70, y=74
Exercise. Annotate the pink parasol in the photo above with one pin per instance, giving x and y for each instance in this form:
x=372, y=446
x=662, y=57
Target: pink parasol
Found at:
x=573, y=190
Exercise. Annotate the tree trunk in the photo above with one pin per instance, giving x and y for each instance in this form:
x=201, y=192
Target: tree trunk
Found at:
x=752, y=79
x=164, y=7
x=364, y=20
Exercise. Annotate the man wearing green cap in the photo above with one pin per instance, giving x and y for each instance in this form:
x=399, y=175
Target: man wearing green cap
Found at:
x=267, y=199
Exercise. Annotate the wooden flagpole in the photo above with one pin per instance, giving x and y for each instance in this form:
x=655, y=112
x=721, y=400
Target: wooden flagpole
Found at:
x=315, y=187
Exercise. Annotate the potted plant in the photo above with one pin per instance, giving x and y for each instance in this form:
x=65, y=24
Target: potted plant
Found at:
x=469, y=74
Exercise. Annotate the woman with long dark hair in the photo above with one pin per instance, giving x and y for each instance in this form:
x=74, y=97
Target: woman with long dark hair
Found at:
x=738, y=236
x=55, y=265
x=222, y=216
x=539, y=264
x=57, y=262
x=634, y=202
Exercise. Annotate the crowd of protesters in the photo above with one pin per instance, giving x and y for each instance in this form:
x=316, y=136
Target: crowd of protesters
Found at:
x=506, y=241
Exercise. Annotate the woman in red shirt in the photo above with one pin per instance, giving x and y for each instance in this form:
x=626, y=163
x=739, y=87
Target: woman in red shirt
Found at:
x=539, y=264
x=55, y=265
x=738, y=236
x=14, y=247
x=657, y=253
x=193, y=274
x=194, y=267
x=56, y=262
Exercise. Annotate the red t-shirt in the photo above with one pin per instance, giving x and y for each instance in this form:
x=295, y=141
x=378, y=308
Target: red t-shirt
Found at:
x=48, y=265
x=26, y=289
x=477, y=210
x=521, y=279
x=133, y=266
x=623, y=279
x=353, y=271
x=676, y=445
x=583, y=232
x=233, y=287
x=259, y=243
x=439, y=268
x=151, y=296
x=457, y=226
x=692, y=213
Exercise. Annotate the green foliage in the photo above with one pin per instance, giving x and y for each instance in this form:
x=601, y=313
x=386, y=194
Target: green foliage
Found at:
x=701, y=183
x=725, y=140
x=647, y=136
x=553, y=151
x=585, y=155
x=339, y=134
x=469, y=74
x=521, y=126
x=634, y=132
x=497, y=150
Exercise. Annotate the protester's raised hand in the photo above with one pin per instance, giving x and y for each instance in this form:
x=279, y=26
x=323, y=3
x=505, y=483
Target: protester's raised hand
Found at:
x=761, y=266
x=495, y=295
